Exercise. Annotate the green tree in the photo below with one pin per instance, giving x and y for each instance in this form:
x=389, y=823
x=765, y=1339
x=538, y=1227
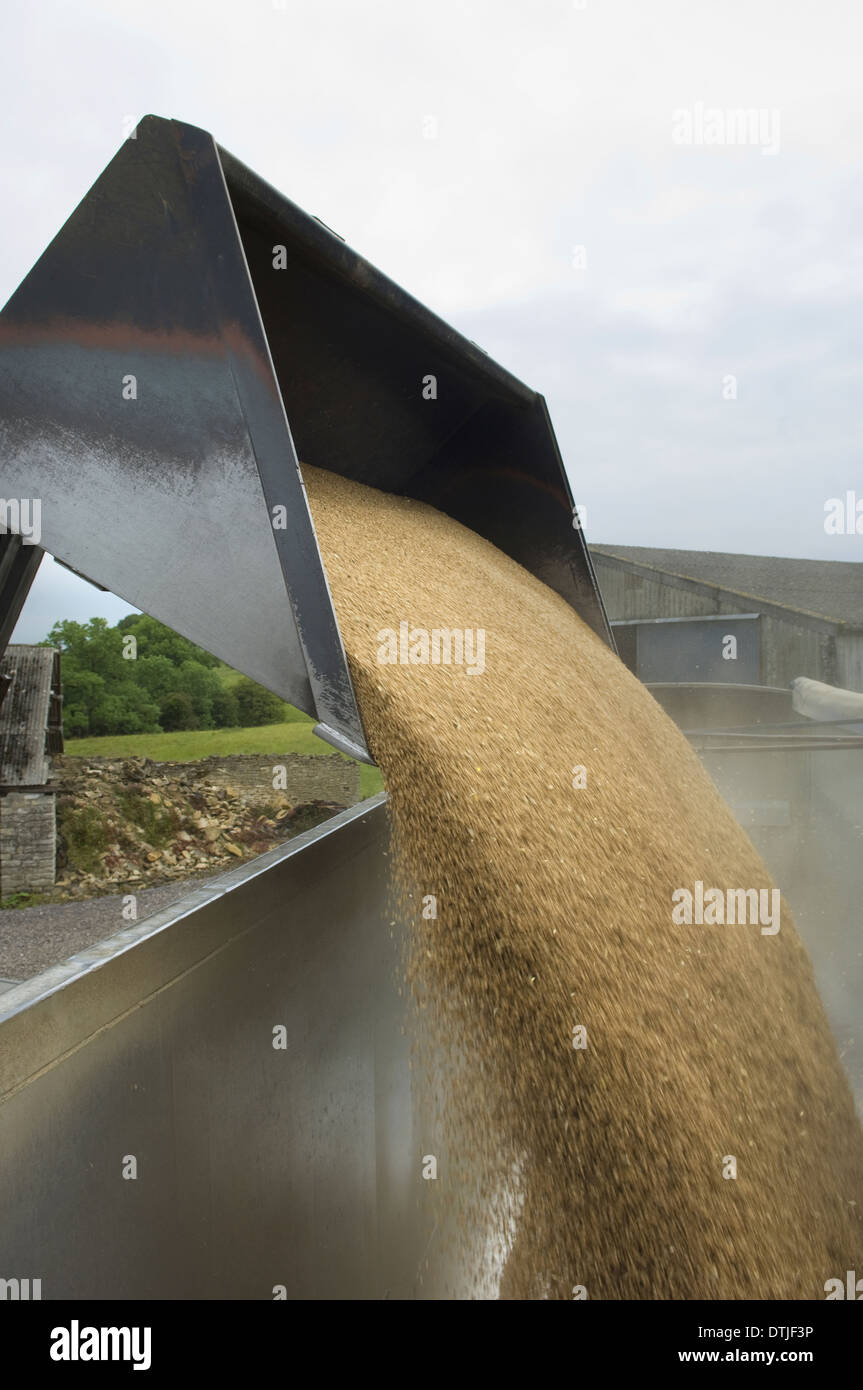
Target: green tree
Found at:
x=201, y=686
x=92, y=646
x=226, y=711
x=178, y=712
x=124, y=708
x=256, y=705
x=156, y=675
x=107, y=691
x=100, y=694
x=82, y=691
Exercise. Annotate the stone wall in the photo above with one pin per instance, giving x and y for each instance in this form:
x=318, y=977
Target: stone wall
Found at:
x=27, y=842
x=306, y=777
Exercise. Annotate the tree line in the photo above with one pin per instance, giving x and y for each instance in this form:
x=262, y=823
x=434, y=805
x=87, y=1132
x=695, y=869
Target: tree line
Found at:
x=140, y=677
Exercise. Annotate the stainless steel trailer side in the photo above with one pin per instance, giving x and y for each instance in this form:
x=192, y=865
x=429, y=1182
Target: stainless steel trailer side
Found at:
x=257, y=1166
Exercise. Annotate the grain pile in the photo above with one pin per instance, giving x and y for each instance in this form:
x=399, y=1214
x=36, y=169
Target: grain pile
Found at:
x=554, y=910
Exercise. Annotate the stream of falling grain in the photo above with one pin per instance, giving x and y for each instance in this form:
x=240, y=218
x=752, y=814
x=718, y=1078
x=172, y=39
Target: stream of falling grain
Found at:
x=599, y=1166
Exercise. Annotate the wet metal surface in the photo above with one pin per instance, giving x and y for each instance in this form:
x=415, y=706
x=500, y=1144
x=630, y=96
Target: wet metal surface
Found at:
x=146, y=367
x=138, y=402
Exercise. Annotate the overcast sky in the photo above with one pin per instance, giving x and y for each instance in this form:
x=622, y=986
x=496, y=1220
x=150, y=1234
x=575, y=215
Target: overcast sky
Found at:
x=521, y=168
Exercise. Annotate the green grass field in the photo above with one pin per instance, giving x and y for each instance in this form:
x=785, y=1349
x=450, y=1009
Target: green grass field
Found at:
x=188, y=746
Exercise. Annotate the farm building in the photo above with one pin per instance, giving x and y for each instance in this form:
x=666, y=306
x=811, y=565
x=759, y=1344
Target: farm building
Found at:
x=673, y=610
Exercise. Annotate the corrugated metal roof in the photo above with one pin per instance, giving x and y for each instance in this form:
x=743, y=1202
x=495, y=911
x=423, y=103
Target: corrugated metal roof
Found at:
x=25, y=715
x=831, y=589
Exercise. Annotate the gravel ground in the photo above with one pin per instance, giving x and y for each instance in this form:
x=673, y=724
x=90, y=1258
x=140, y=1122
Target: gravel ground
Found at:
x=32, y=938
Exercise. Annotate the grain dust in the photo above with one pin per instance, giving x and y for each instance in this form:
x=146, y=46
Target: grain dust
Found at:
x=603, y=1163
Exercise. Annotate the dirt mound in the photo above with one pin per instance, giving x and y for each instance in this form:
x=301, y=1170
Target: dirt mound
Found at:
x=132, y=823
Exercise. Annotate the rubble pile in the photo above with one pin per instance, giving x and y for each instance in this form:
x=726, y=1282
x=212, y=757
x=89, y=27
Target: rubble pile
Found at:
x=134, y=823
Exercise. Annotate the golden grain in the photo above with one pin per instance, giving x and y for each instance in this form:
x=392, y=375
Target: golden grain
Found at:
x=554, y=911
